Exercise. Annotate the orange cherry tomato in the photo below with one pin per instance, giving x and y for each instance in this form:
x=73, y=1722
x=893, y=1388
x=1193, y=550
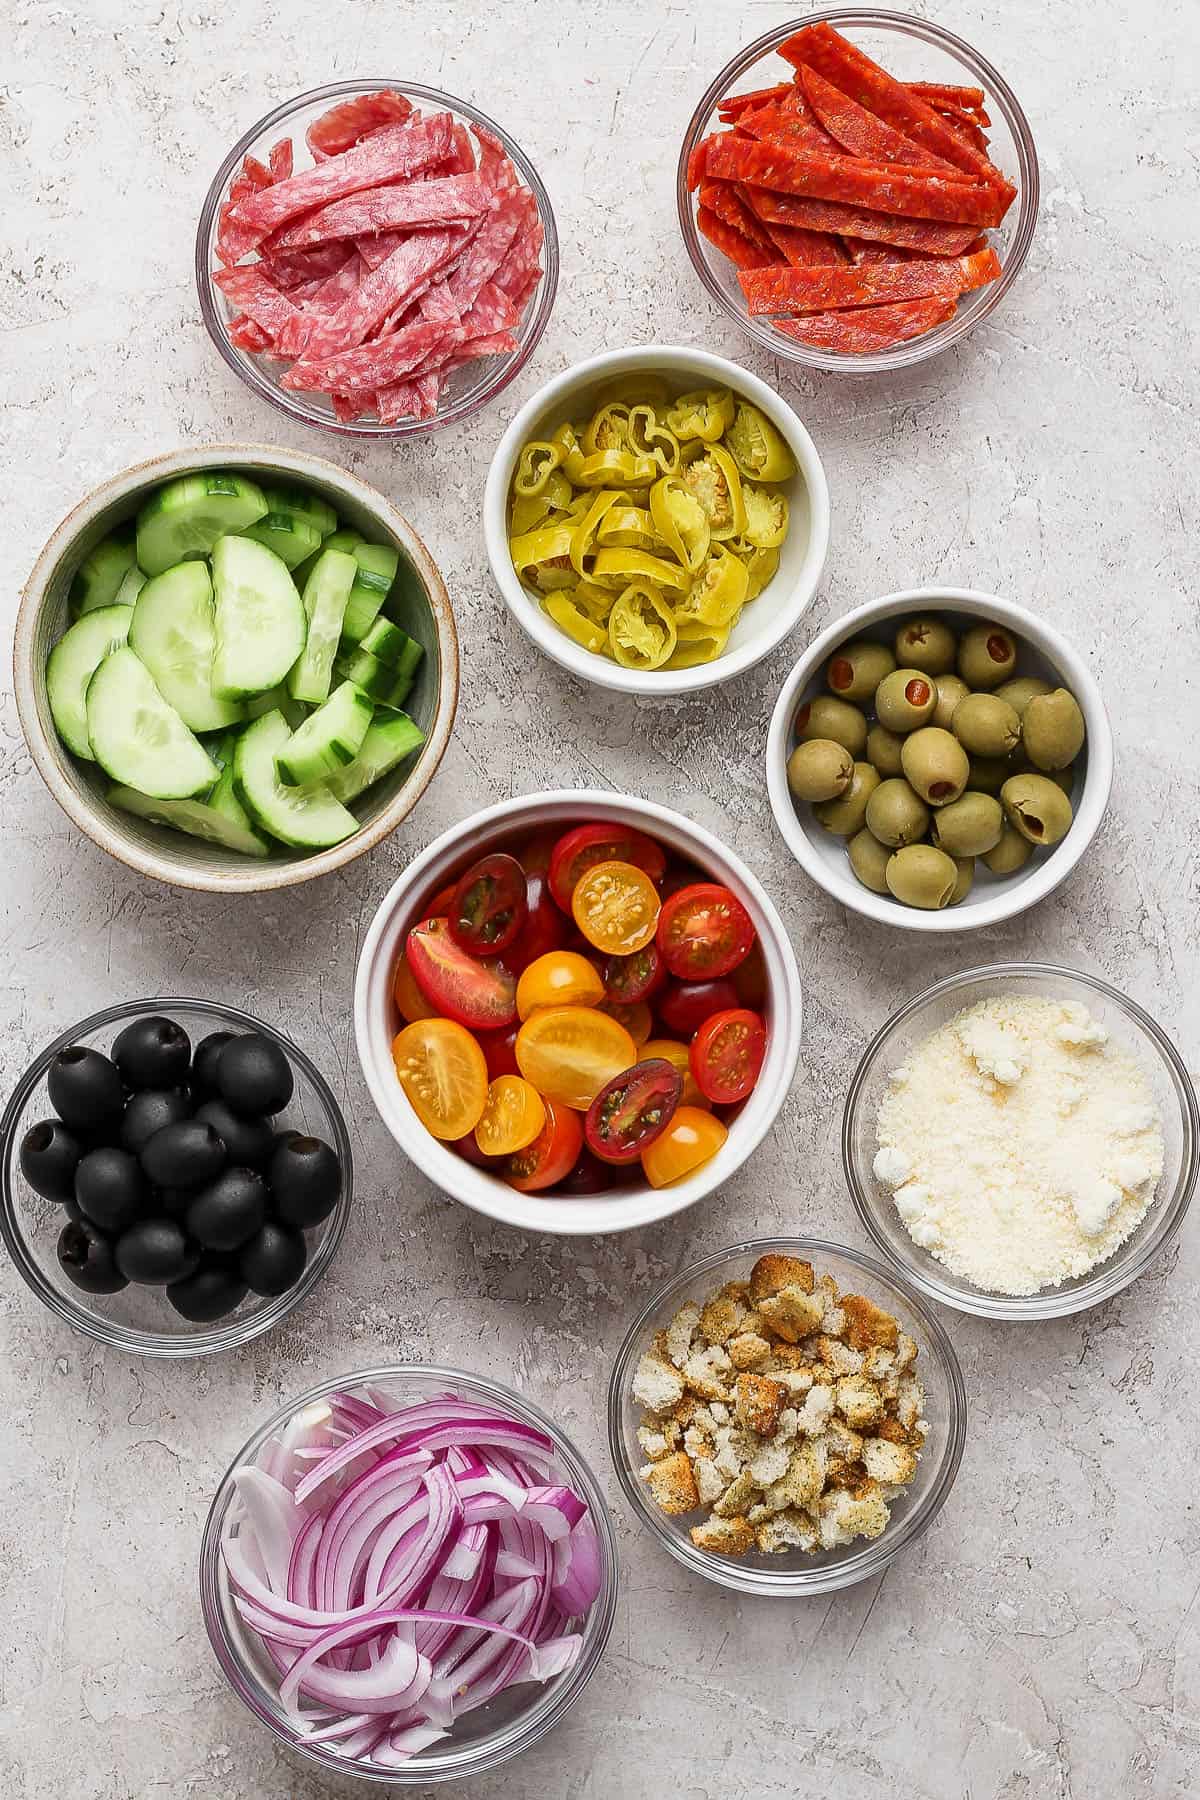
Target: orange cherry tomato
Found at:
x=581, y=849
x=552, y=1154
x=570, y=1052
x=560, y=978
x=616, y=906
x=512, y=1117
x=636, y=1017
x=690, y=1140
x=411, y=1003
x=677, y=1055
x=727, y=1054
x=441, y=1069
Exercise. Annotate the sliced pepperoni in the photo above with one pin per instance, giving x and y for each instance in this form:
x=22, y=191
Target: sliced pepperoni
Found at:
x=861, y=133
x=822, y=290
x=870, y=327
x=925, y=235
x=734, y=105
x=806, y=249
x=724, y=199
x=791, y=170
x=731, y=242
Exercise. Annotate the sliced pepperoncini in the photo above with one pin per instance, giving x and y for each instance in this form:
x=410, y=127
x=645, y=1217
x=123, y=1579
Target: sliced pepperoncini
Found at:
x=706, y=413
x=619, y=567
x=607, y=429
x=718, y=592
x=641, y=629
x=543, y=557
x=583, y=538
x=628, y=528
x=716, y=484
x=680, y=521
x=578, y=626
x=757, y=446
x=648, y=438
x=766, y=517
x=535, y=465
x=703, y=646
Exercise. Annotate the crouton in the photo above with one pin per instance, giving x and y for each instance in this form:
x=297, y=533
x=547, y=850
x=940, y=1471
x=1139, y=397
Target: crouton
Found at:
x=722, y=1316
x=909, y=1401
x=893, y=1464
x=842, y=1518
x=771, y=1463
x=735, y=1448
x=697, y=1442
x=710, y=1483
x=705, y=1373
x=654, y=1445
x=858, y=1400
x=737, y=1496
x=868, y=1325
x=906, y=1351
x=793, y=1313
x=790, y=1530
x=815, y=1414
x=838, y=1357
x=878, y=1364
x=724, y=1537
x=656, y=1384
x=798, y=1382
x=772, y=1273
x=803, y=1482
x=788, y=1426
x=680, y=1332
x=747, y=1350
x=892, y=1430
x=788, y=1356
x=759, y=1402
x=843, y=1445
x=673, y=1485
x=719, y=1412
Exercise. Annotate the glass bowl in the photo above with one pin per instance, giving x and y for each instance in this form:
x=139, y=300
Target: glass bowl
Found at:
x=913, y=50
x=1129, y=1025
x=469, y=386
x=481, y=1740
x=794, y=1574
x=140, y=1319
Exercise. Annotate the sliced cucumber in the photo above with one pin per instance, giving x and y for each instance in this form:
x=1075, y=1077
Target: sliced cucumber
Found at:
x=368, y=673
x=307, y=818
x=259, y=618
x=292, y=538
x=73, y=661
x=138, y=738
x=186, y=517
x=341, y=540
x=298, y=503
x=328, y=739
x=98, y=578
x=173, y=632
x=197, y=817
x=325, y=595
x=276, y=699
x=406, y=598
x=393, y=647
x=223, y=798
x=388, y=741
x=130, y=587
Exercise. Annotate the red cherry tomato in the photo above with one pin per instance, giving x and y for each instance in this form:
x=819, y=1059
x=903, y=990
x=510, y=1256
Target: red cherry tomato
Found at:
x=534, y=855
x=727, y=1054
x=704, y=931
x=488, y=908
x=552, y=1154
x=680, y=875
x=750, y=979
x=632, y=1110
x=438, y=906
x=589, y=1176
x=581, y=849
x=544, y=928
x=636, y=977
x=469, y=1150
x=683, y=1006
x=499, y=1051
x=480, y=995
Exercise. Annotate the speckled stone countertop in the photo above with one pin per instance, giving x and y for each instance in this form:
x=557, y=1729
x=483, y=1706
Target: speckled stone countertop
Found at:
x=1043, y=1640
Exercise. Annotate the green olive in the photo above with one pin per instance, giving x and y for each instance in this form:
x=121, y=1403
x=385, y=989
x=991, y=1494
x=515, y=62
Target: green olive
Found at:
x=1010, y=853
x=848, y=813
x=922, y=876
x=988, y=774
x=1037, y=808
x=966, y=875
x=856, y=670
x=825, y=717
x=1053, y=729
x=895, y=815
x=926, y=644
x=905, y=699
x=869, y=859
x=935, y=764
x=1021, y=691
x=950, y=690
x=986, y=726
x=883, y=749
x=987, y=656
x=819, y=770
x=970, y=826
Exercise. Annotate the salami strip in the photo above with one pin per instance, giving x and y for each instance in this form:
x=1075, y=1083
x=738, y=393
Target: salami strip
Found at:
x=257, y=297
x=790, y=170
x=383, y=291
x=861, y=133
x=461, y=160
x=810, y=290
x=292, y=267
x=256, y=173
x=281, y=159
x=368, y=367
x=345, y=125
x=724, y=199
x=328, y=297
x=734, y=105
x=925, y=235
x=247, y=335
x=487, y=252
x=731, y=243
x=869, y=328
x=437, y=202
x=391, y=154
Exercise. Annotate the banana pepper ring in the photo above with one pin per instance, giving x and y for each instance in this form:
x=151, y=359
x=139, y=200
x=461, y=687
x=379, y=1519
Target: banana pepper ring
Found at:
x=681, y=522
x=641, y=630
x=577, y=625
x=542, y=558
x=628, y=528
x=595, y=601
x=761, y=567
x=583, y=538
x=706, y=413
x=714, y=481
x=704, y=646
x=766, y=517
x=535, y=465
x=620, y=568
x=610, y=468
x=648, y=438
x=566, y=438
x=607, y=429
x=555, y=497
x=718, y=592
x=758, y=447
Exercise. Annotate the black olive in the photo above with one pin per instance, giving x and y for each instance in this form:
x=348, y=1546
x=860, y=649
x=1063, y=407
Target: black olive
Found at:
x=249, y=1141
x=207, y=1295
x=156, y=1251
x=153, y=1052
x=184, y=1155
x=85, y=1089
x=273, y=1260
x=49, y=1157
x=204, y=1064
x=110, y=1188
x=86, y=1258
x=254, y=1075
x=305, y=1178
x=150, y=1111
x=229, y=1210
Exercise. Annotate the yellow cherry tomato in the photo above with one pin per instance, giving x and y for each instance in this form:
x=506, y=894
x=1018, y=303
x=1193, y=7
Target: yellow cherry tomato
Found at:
x=411, y=1003
x=570, y=1052
x=513, y=1115
x=634, y=1015
x=616, y=906
x=559, y=978
x=441, y=1068
x=672, y=1051
x=690, y=1140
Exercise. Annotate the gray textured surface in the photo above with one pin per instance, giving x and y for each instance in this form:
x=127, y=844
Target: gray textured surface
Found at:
x=1044, y=1640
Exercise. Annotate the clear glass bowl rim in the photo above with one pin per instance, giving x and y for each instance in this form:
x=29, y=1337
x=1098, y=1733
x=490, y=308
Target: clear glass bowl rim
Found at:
x=547, y=1709
x=916, y=350
x=856, y=1565
x=248, y=370
x=1121, y=1269
x=202, y=1340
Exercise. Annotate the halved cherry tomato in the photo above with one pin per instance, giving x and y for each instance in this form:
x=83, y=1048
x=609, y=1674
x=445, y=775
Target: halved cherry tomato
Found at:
x=581, y=849
x=589, y=1176
x=560, y=978
x=470, y=1152
x=535, y=853
x=439, y=905
x=512, y=1116
x=551, y=1155
x=683, y=1006
x=570, y=1052
x=441, y=1069
x=544, y=929
x=690, y=1140
x=629, y=1113
x=704, y=931
x=680, y=875
x=616, y=906
x=411, y=1003
x=636, y=977
x=727, y=1054
x=488, y=909
x=750, y=978
x=677, y=1055
x=461, y=986
x=637, y=1019
x=499, y=1051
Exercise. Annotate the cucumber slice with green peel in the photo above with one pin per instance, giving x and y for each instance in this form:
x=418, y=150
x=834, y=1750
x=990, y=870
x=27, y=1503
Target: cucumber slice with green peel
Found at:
x=199, y=818
x=223, y=798
x=325, y=595
x=260, y=619
x=130, y=587
x=138, y=738
x=186, y=517
x=306, y=818
x=388, y=644
x=72, y=663
x=329, y=738
x=367, y=672
x=298, y=503
x=276, y=699
x=173, y=631
x=97, y=580
x=390, y=738
x=292, y=538
x=344, y=539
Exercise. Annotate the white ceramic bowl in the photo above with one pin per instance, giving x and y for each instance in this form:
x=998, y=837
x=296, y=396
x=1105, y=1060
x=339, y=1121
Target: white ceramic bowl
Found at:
x=991, y=898
x=376, y=1020
x=766, y=620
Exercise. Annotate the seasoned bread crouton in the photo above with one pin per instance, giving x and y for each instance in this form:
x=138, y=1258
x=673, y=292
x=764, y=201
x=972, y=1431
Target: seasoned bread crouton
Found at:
x=793, y=1313
x=816, y=1411
x=878, y=1364
x=759, y=1400
x=706, y=1371
x=789, y=1356
x=892, y=1430
x=724, y=1537
x=906, y=1351
x=656, y=1384
x=710, y=1483
x=722, y=1316
x=909, y=1401
x=680, y=1332
x=802, y=1484
x=735, y=1448
x=858, y=1400
x=790, y=1530
x=838, y=1357
x=673, y=1485
x=653, y=1444
x=737, y=1496
x=771, y=1463
x=842, y=1518
x=843, y=1445
x=890, y=1463
x=747, y=1350
x=697, y=1442
x=773, y=1272
x=867, y=1324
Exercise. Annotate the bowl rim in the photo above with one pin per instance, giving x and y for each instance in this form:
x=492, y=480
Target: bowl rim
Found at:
x=943, y=337
x=249, y=371
x=604, y=1608
x=555, y=643
x=858, y=1564
x=1007, y=902
x=475, y=1188
x=1123, y=1267
x=257, y=877
x=201, y=1340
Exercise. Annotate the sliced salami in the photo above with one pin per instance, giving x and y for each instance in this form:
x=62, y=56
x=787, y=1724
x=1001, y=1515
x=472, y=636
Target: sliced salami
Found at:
x=383, y=291
x=440, y=201
x=259, y=298
x=391, y=154
x=368, y=367
x=281, y=159
x=347, y=124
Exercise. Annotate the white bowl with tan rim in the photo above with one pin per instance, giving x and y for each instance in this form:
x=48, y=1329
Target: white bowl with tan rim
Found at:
x=79, y=787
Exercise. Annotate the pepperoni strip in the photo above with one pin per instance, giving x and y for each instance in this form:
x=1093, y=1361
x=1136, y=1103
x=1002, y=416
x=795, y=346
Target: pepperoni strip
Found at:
x=791, y=170
x=869, y=328
x=964, y=128
x=731, y=243
x=724, y=199
x=734, y=105
x=925, y=235
x=815, y=290
x=970, y=99
x=861, y=132
x=806, y=249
